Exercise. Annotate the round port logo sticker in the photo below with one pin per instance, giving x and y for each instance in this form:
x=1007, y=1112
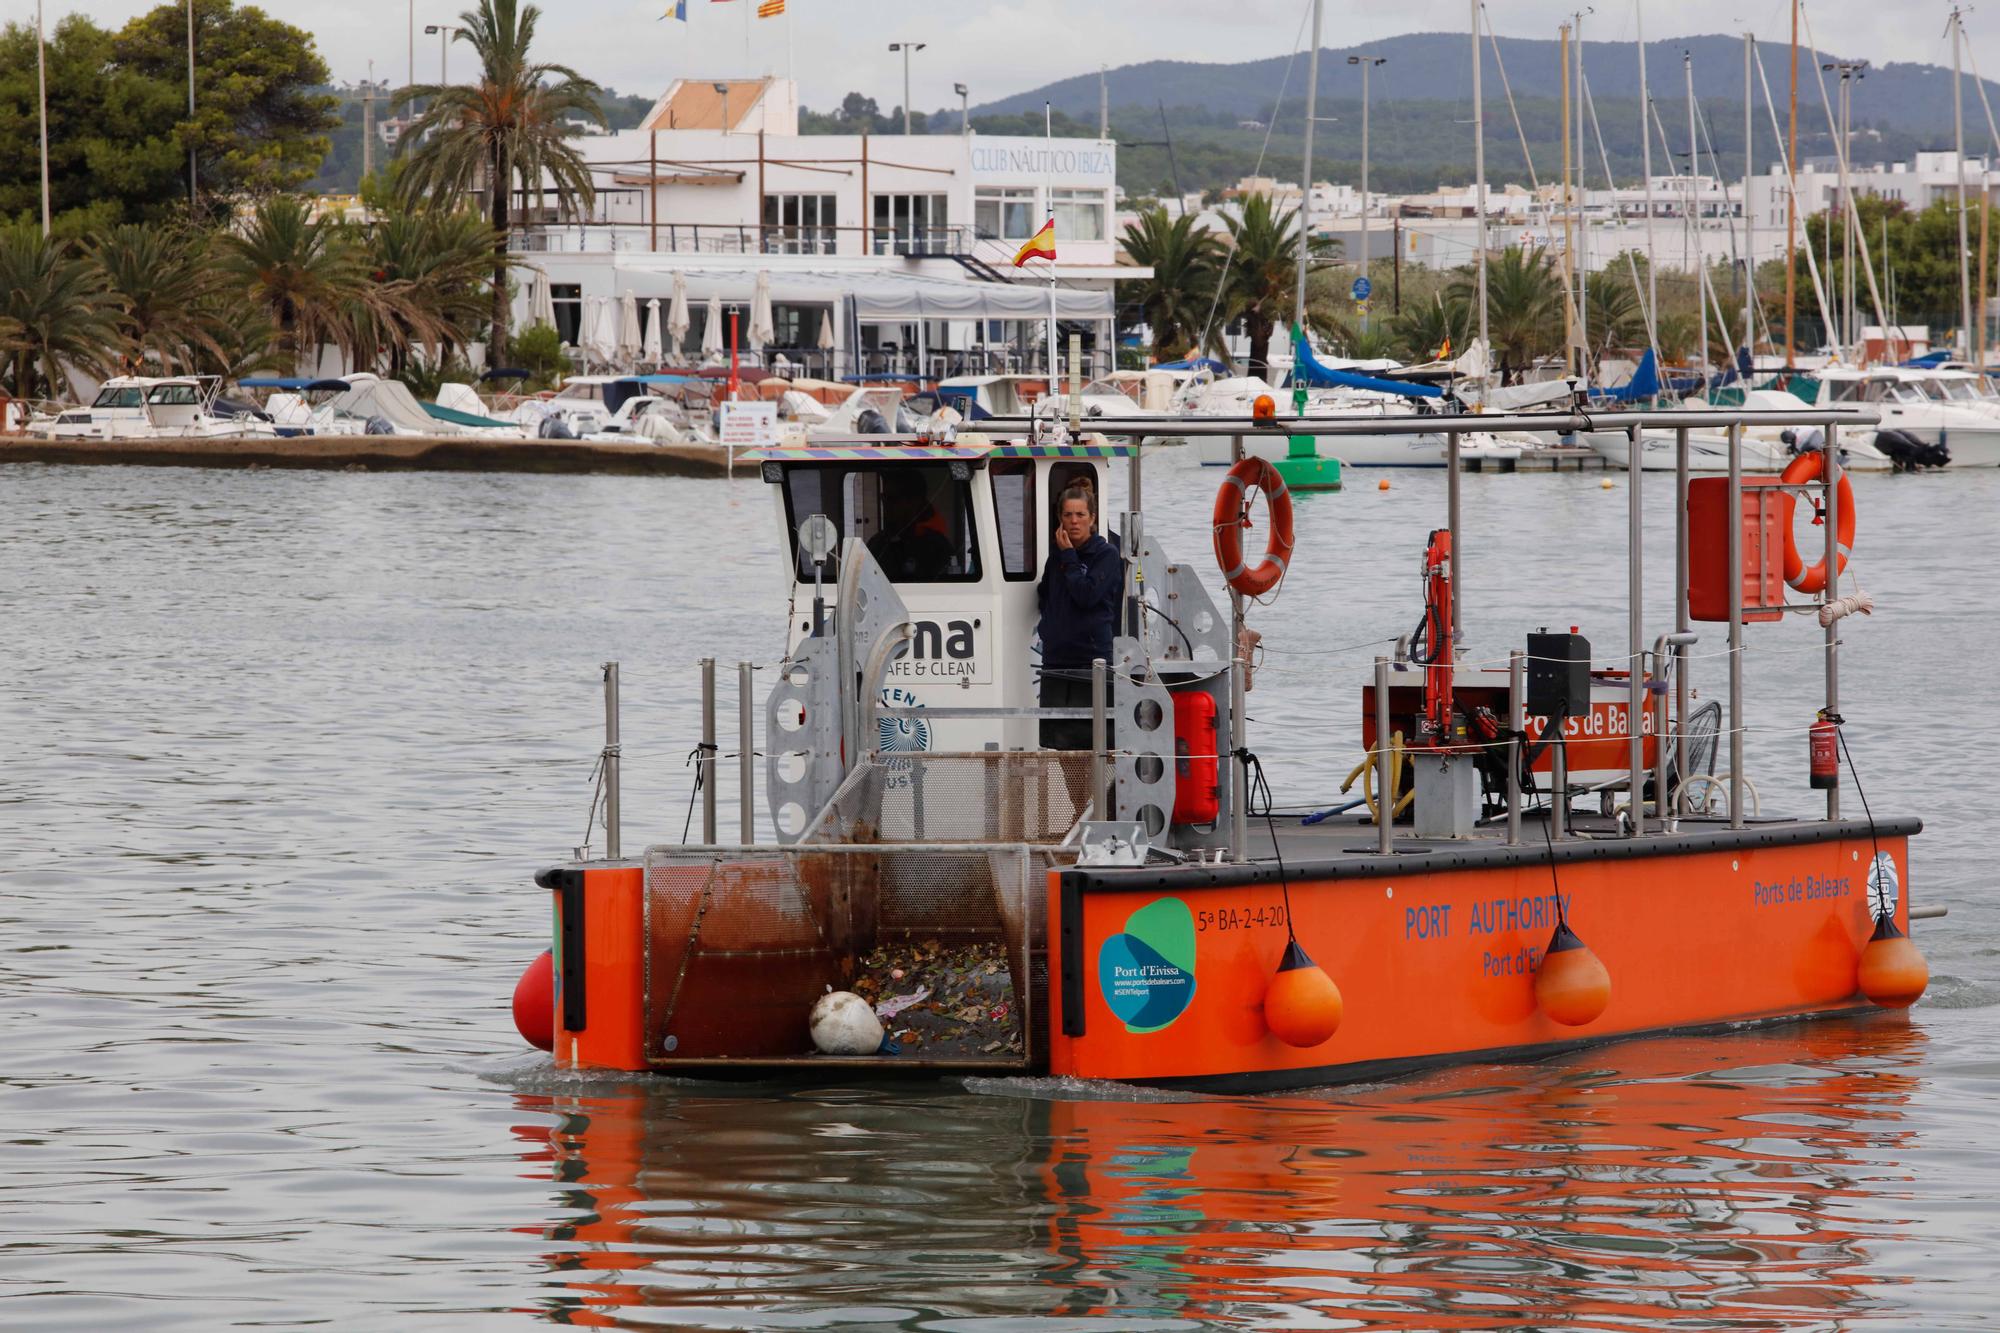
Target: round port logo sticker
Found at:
x=1146, y=973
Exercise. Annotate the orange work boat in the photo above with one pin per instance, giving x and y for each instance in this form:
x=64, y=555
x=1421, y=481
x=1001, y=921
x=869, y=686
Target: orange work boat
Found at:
x=1547, y=873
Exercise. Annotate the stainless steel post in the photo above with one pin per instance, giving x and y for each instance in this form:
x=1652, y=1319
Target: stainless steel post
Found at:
x=611, y=816
x=1517, y=667
x=1832, y=504
x=704, y=760
x=1451, y=484
x=746, y=753
x=1100, y=797
x=1736, y=626
x=1635, y=630
x=1682, y=623
x=1558, y=784
x=1385, y=799
x=1239, y=772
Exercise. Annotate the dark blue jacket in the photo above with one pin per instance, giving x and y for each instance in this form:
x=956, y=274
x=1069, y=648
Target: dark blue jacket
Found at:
x=1079, y=601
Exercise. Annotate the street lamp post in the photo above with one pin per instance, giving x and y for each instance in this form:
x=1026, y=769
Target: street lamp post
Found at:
x=906, y=48
x=964, y=124
x=191, y=181
x=445, y=32
x=1848, y=70
x=42, y=106
x=1367, y=63
x=723, y=89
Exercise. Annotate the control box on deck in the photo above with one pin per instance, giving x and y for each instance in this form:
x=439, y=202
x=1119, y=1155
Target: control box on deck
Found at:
x=1558, y=675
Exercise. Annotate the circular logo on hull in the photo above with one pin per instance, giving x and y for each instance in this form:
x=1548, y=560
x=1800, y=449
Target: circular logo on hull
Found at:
x=1146, y=973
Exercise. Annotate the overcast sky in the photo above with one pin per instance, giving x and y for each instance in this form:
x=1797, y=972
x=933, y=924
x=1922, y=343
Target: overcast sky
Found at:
x=833, y=46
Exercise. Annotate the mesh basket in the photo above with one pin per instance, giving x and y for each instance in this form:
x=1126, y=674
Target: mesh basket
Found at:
x=740, y=942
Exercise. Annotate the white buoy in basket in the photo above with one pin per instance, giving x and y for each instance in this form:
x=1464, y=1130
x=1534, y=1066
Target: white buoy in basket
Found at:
x=845, y=1024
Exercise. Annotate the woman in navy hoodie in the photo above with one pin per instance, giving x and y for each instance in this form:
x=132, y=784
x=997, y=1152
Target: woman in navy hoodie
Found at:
x=1079, y=603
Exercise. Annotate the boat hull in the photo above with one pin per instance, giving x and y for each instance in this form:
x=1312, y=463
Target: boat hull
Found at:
x=1435, y=955
x=1158, y=976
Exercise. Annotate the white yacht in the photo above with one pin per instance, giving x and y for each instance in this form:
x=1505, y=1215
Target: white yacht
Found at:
x=1765, y=448
x=135, y=407
x=1921, y=405
x=1236, y=396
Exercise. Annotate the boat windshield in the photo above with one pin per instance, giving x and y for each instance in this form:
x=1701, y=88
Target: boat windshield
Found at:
x=173, y=395
x=1851, y=391
x=1931, y=389
x=119, y=396
x=1959, y=391
x=915, y=518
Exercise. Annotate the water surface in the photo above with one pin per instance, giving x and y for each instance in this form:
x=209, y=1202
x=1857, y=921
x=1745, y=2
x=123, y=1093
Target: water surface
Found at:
x=282, y=751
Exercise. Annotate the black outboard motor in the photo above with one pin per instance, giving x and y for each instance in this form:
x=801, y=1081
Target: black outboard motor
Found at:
x=554, y=427
x=380, y=425
x=870, y=421
x=1909, y=454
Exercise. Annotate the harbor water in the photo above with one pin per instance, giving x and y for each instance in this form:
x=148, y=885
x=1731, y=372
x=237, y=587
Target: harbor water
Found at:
x=283, y=750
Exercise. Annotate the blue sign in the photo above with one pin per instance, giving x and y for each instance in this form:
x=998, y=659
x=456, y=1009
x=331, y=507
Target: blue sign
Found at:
x=1361, y=288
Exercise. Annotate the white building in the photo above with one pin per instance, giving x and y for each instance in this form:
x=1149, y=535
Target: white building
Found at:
x=904, y=246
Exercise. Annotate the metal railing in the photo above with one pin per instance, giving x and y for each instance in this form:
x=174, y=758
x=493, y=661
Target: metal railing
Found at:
x=1634, y=423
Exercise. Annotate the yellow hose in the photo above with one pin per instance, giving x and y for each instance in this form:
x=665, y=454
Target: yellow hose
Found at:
x=1365, y=770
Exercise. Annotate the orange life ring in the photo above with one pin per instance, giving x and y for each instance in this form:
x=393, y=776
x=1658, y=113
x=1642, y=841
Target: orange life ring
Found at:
x=1803, y=469
x=1232, y=516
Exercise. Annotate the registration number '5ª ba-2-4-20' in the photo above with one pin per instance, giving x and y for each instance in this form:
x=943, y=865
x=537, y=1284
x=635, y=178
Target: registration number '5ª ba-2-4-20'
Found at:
x=1239, y=918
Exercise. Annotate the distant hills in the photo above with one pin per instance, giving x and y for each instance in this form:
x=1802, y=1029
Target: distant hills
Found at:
x=1420, y=101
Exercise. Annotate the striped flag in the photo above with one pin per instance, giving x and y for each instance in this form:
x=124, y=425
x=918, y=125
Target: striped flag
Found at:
x=1042, y=245
x=770, y=9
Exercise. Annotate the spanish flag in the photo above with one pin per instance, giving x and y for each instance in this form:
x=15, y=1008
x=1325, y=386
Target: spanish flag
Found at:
x=1042, y=245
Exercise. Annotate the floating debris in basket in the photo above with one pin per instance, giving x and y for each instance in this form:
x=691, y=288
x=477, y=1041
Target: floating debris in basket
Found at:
x=944, y=1001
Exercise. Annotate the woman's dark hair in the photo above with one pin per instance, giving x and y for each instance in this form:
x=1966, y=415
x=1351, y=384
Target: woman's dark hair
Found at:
x=1078, y=491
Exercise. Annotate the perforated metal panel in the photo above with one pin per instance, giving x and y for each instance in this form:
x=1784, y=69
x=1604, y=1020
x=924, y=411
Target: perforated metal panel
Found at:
x=1143, y=732
x=740, y=942
x=802, y=766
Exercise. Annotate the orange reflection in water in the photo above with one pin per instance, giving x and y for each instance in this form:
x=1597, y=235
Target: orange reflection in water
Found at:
x=1737, y=1182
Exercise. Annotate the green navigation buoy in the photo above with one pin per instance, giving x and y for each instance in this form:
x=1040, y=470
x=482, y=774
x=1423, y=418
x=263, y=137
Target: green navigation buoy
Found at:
x=1302, y=467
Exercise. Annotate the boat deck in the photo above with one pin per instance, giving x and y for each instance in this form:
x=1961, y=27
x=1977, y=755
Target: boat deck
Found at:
x=1345, y=846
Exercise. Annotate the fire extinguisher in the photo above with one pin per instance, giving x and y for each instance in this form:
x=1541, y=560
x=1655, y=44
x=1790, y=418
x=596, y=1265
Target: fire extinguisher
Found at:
x=1823, y=744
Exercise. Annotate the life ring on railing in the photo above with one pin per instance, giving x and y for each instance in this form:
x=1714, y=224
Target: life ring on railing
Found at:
x=1232, y=516
x=1801, y=470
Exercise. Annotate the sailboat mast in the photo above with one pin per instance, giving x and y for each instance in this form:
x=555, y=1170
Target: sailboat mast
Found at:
x=1792, y=210
x=1694, y=220
x=1646, y=165
x=1582, y=216
x=1305, y=180
x=1958, y=142
x=1570, y=357
x=1749, y=213
x=1479, y=173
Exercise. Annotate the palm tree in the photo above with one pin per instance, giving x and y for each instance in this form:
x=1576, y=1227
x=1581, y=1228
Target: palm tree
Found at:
x=435, y=264
x=1177, y=298
x=1611, y=317
x=304, y=273
x=160, y=275
x=1431, y=330
x=57, y=306
x=1258, y=288
x=239, y=341
x=510, y=124
x=1523, y=308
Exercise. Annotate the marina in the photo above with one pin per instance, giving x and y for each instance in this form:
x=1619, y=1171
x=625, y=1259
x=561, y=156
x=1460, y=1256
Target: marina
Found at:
x=725, y=707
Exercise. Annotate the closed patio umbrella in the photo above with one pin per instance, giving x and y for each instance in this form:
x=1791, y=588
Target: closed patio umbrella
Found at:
x=826, y=340
x=678, y=319
x=541, y=301
x=652, y=349
x=711, y=334
x=763, y=328
x=628, y=328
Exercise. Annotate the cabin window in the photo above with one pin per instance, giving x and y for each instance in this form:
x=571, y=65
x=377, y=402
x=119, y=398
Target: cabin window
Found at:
x=172, y=395
x=1014, y=512
x=916, y=519
x=119, y=397
x=1065, y=475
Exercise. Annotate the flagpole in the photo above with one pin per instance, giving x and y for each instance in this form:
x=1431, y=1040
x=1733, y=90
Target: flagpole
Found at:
x=1048, y=190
